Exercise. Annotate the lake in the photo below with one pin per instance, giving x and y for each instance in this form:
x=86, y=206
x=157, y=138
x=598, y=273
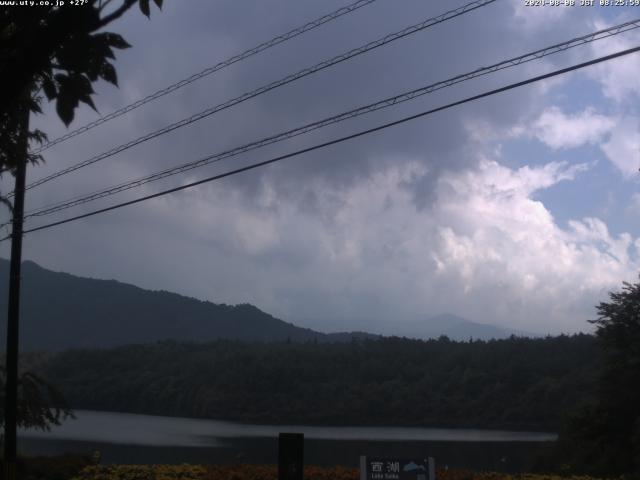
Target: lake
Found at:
x=130, y=438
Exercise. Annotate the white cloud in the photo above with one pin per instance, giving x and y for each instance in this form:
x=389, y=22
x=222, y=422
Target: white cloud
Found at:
x=623, y=148
x=634, y=207
x=560, y=130
x=485, y=250
x=619, y=77
x=536, y=18
x=513, y=253
x=618, y=137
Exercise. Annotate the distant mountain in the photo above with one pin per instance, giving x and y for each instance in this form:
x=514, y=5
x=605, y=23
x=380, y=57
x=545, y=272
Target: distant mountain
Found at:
x=458, y=328
x=452, y=326
x=60, y=311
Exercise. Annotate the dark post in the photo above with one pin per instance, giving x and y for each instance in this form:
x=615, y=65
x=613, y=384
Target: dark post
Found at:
x=11, y=386
x=290, y=456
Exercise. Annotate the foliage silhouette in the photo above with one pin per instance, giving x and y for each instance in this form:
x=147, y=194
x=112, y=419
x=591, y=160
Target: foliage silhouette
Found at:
x=40, y=404
x=59, y=51
x=603, y=437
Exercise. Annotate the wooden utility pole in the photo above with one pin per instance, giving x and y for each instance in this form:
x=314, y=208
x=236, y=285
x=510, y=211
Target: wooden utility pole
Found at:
x=13, y=317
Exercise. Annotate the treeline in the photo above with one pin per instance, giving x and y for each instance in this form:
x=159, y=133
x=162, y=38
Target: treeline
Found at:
x=518, y=383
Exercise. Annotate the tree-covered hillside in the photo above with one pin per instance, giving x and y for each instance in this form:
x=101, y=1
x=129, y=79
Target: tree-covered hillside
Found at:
x=516, y=383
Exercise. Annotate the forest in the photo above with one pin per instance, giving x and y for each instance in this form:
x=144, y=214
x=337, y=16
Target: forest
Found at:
x=516, y=383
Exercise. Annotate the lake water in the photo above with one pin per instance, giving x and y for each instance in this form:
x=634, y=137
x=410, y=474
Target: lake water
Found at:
x=129, y=438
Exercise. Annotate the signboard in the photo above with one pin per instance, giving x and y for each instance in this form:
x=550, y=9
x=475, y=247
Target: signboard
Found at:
x=375, y=468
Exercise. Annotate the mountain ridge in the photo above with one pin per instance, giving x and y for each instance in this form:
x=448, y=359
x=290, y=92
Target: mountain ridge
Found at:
x=60, y=310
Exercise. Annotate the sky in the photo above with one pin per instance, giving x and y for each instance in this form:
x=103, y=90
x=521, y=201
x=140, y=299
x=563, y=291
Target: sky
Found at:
x=520, y=210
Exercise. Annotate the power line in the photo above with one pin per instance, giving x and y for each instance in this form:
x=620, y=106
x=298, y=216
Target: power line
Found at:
x=271, y=86
x=388, y=102
x=341, y=139
x=210, y=70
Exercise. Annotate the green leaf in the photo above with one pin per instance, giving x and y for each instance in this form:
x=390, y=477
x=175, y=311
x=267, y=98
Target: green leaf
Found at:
x=34, y=106
x=103, y=50
x=108, y=73
x=78, y=85
x=89, y=101
x=114, y=40
x=71, y=88
x=49, y=88
x=94, y=67
x=93, y=73
x=79, y=54
x=65, y=107
x=84, y=85
x=37, y=136
x=144, y=7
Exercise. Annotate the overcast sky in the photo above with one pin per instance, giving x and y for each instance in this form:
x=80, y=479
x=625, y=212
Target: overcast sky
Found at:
x=520, y=210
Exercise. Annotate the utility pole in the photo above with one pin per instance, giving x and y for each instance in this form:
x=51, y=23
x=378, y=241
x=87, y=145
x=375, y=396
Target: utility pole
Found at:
x=13, y=317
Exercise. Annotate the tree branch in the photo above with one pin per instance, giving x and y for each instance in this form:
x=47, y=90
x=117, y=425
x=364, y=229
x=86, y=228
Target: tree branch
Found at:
x=116, y=13
x=103, y=5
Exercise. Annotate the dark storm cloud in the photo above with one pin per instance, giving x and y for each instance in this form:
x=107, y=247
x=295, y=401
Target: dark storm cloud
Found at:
x=180, y=41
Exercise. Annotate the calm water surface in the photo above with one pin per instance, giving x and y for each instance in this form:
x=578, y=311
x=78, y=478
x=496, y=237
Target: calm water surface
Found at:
x=131, y=429
x=130, y=438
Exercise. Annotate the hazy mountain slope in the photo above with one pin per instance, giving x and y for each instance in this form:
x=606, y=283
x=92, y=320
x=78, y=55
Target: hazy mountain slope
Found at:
x=458, y=328
x=60, y=310
x=452, y=326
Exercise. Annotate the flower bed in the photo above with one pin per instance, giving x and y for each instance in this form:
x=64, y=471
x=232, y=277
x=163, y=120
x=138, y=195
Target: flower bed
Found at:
x=269, y=472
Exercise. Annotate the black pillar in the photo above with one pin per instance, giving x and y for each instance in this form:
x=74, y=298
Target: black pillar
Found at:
x=290, y=456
